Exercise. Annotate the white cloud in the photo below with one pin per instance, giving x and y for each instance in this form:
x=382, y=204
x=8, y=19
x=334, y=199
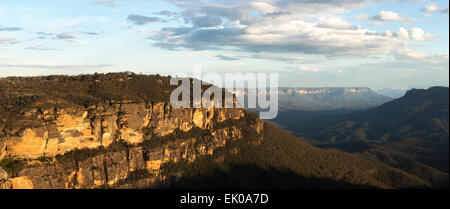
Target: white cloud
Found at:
x=417, y=34
x=431, y=8
x=307, y=68
x=388, y=16
x=402, y=33
x=413, y=34
x=411, y=55
x=392, y=16
x=388, y=33
x=335, y=23
x=263, y=7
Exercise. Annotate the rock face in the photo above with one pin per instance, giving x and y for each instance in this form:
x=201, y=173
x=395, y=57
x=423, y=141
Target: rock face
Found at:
x=5, y=182
x=117, y=144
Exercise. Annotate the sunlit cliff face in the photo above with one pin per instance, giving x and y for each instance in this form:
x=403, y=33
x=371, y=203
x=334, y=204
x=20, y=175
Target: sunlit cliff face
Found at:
x=113, y=141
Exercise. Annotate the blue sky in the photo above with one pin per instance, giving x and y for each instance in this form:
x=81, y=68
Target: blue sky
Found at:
x=374, y=43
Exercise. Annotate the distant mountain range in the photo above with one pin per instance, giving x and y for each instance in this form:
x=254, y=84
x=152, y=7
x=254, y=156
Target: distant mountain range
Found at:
x=410, y=133
x=420, y=113
x=391, y=92
x=329, y=98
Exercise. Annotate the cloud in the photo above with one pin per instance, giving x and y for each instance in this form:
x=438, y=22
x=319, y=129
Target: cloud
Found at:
x=54, y=66
x=228, y=57
x=242, y=10
x=281, y=36
x=264, y=56
x=392, y=16
x=206, y=21
x=40, y=48
x=402, y=33
x=142, y=20
x=65, y=36
x=335, y=23
x=297, y=29
x=166, y=13
x=307, y=68
x=276, y=14
x=431, y=8
x=413, y=34
x=8, y=40
x=108, y=3
x=9, y=29
x=276, y=57
x=90, y=33
x=388, y=16
x=385, y=16
x=45, y=34
x=417, y=34
x=412, y=56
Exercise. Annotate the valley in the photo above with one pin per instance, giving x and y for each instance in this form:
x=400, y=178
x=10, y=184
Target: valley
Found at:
x=410, y=133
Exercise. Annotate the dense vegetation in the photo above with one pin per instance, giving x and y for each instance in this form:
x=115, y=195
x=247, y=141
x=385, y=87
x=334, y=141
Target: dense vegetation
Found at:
x=283, y=161
x=85, y=89
x=12, y=166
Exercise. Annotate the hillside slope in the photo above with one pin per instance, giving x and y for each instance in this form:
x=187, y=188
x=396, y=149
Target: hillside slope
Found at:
x=410, y=133
x=284, y=161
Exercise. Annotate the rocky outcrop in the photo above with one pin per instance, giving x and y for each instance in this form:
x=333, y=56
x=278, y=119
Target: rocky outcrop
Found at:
x=5, y=182
x=117, y=144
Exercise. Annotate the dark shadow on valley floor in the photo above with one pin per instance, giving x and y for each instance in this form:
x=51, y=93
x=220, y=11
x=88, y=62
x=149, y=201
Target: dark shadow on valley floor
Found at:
x=247, y=176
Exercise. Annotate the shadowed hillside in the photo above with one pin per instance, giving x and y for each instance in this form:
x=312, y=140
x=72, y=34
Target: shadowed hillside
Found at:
x=284, y=161
x=410, y=133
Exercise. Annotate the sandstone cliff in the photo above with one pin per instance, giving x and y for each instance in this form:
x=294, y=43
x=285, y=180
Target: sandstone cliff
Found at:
x=110, y=145
x=104, y=130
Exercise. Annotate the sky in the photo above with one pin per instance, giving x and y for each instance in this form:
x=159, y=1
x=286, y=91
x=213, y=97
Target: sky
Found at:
x=309, y=43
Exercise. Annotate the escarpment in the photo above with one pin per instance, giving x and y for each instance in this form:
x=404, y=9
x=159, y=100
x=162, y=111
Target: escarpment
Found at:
x=105, y=131
x=108, y=145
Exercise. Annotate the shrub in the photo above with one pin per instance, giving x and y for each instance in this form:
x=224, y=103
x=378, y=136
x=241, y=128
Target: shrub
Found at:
x=12, y=166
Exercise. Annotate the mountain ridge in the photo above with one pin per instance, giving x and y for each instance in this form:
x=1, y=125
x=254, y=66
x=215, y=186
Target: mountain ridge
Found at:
x=117, y=130
x=348, y=98
x=410, y=133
